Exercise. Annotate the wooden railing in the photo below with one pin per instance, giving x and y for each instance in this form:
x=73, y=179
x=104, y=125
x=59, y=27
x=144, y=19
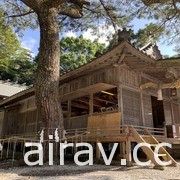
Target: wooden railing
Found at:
x=113, y=131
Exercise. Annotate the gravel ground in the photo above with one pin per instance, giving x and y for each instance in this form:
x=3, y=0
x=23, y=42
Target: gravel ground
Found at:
x=96, y=172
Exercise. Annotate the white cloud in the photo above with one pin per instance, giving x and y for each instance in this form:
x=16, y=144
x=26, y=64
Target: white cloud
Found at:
x=102, y=34
x=29, y=44
x=70, y=34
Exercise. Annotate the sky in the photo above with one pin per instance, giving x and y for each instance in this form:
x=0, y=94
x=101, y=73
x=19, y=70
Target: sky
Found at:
x=30, y=40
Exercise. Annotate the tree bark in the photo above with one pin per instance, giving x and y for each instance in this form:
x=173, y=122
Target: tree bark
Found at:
x=47, y=77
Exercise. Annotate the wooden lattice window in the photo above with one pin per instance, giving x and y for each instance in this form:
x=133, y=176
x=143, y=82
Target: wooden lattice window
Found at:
x=131, y=107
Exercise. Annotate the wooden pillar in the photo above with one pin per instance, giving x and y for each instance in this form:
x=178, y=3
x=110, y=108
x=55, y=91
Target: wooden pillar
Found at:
x=172, y=112
x=69, y=113
x=37, y=121
x=91, y=105
x=7, y=154
x=119, y=97
x=76, y=141
x=142, y=110
x=120, y=102
x=25, y=123
x=128, y=153
x=128, y=148
x=2, y=149
x=122, y=150
x=98, y=153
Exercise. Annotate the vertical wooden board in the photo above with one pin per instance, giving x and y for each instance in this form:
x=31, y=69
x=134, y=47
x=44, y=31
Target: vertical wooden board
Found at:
x=31, y=116
x=176, y=113
x=24, y=106
x=131, y=107
x=30, y=128
x=148, y=110
x=178, y=130
x=78, y=122
x=105, y=123
x=130, y=77
x=21, y=122
x=31, y=103
x=11, y=125
x=167, y=112
x=66, y=124
x=1, y=122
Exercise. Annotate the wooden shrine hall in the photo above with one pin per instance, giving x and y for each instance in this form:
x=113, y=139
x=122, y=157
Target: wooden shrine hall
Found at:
x=124, y=91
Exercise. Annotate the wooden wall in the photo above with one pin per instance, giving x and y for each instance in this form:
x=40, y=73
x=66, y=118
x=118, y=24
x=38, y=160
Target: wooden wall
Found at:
x=78, y=122
x=136, y=103
x=131, y=107
x=129, y=77
x=10, y=124
x=21, y=119
x=108, y=75
x=1, y=121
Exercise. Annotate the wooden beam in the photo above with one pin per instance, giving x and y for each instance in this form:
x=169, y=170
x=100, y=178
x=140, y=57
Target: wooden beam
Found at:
x=173, y=72
x=91, y=108
x=119, y=89
x=172, y=85
x=104, y=100
x=149, y=84
x=77, y=105
x=171, y=63
x=86, y=90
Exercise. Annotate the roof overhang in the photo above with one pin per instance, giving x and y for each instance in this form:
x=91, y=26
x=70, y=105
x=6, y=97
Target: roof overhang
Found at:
x=123, y=53
x=17, y=97
x=86, y=91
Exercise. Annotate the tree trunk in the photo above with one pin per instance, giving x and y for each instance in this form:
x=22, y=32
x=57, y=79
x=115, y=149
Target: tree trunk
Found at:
x=47, y=77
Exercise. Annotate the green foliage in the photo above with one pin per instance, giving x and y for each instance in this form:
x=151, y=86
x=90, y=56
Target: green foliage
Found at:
x=102, y=12
x=20, y=71
x=15, y=61
x=152, y=32
x=78, y=51
x=164, y=15
x=9, y=44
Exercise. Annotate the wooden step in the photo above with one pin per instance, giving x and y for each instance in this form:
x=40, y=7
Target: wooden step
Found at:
x=153, y=145
x=162, y=155
x=146, y=136
x=149, y=138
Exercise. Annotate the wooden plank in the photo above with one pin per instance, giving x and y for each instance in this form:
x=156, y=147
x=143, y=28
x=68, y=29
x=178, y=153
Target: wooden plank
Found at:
x=105, y=121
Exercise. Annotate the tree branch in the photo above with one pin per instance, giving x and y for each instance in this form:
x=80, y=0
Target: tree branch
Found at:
x=19, y=15
x=80, y=2
x=74, y=10
x=109, y=15
x=175, y=7
x=33, y=4
x=150, y=2
x=71, y=12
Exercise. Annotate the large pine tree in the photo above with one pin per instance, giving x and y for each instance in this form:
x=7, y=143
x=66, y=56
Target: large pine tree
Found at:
x=54, y=16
